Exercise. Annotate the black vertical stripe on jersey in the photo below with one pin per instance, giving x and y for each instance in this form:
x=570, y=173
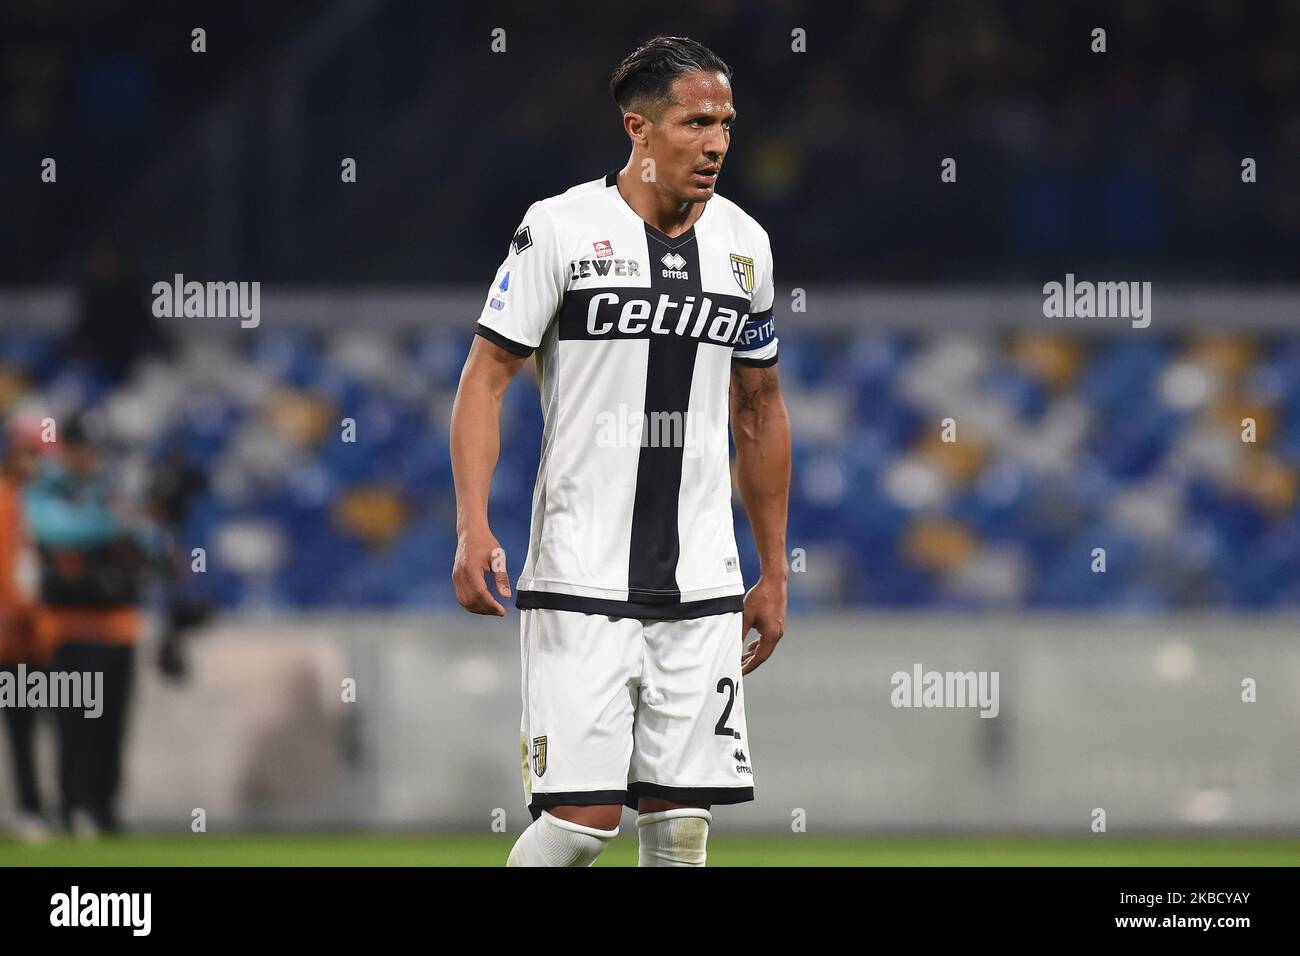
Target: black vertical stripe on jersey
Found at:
x=655, y=548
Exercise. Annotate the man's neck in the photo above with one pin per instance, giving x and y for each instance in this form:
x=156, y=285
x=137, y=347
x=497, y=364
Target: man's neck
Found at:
x=664, y=213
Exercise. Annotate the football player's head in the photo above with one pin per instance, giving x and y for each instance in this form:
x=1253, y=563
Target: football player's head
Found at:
x=675, y=96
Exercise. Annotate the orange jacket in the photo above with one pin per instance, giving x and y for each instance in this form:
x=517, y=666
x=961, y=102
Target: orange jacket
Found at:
x=29, y=631
x=61, y=625
x=16, y=622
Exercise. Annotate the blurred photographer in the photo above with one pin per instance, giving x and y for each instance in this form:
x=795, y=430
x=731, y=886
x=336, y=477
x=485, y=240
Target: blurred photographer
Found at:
x=87, y=619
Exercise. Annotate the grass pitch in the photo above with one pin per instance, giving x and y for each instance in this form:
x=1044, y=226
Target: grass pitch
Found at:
x=790, y=850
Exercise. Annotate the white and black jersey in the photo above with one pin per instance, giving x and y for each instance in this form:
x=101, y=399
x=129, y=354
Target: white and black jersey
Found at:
x=635, y=333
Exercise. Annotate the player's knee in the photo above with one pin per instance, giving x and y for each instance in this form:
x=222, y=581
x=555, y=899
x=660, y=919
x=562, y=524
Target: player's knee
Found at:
x=553, y=841
x=676, y=837
x=601, y=816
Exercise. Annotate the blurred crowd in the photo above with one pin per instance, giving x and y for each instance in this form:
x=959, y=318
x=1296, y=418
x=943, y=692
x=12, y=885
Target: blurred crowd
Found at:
x=313, y=468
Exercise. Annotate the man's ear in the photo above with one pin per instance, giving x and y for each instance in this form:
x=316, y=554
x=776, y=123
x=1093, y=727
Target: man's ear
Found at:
x=637, y=126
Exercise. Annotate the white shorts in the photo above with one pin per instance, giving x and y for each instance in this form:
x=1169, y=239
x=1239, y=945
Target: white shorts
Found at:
x=617, y=708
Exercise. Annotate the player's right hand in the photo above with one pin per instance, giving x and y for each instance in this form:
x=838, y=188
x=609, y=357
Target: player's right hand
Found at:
x=478, y=553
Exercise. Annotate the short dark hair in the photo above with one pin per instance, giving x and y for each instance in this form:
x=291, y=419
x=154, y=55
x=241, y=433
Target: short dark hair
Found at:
x=643, y=81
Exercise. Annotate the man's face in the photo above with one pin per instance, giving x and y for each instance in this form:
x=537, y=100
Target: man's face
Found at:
x=691, y=137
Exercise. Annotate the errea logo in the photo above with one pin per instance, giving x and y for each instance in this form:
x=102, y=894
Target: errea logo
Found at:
x=674, y=266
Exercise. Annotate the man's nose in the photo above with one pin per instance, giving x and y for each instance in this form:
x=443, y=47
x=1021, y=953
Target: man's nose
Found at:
x=716, y=147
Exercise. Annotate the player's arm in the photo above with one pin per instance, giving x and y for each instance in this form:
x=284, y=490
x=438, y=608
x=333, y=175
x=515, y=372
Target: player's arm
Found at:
x=521, y=304
x=475, y=446
x=760, y=427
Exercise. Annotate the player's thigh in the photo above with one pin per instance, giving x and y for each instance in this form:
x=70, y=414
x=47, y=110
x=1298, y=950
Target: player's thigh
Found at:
x=656, y=804
x=604, y=816
x=579, y=673
x=691, y=737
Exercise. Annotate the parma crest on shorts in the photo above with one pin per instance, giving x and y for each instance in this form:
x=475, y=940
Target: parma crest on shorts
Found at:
x=539, y=756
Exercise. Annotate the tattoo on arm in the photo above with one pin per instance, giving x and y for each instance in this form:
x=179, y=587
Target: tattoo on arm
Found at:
x=743, y=399
x=748, y=399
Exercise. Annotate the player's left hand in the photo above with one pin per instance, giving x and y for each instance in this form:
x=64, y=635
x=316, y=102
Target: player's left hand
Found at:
x=765, y=612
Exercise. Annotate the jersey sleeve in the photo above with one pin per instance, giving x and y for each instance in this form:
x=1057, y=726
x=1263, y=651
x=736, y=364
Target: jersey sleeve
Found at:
x=528, y=286
x=757, y=344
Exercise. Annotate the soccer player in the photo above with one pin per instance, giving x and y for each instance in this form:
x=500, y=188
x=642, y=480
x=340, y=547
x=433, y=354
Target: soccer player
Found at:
x=646, y=299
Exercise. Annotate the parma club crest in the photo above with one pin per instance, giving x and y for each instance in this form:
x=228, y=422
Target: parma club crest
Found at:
x=743, y=269
x=539, y=755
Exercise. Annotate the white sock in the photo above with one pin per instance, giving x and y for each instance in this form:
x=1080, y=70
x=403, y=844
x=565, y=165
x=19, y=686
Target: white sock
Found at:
x=550, y=841
x=674, y=837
